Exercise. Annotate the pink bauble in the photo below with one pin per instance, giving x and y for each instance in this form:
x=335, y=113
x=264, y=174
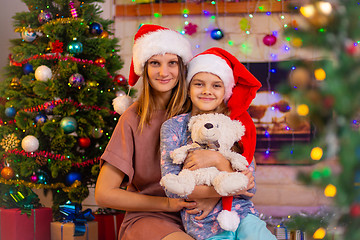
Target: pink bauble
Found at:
x=34, y=178
x=269, y=40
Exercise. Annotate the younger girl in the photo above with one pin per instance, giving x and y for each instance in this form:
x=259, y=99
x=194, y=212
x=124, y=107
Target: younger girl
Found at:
x=132, y=156
x=215, y=78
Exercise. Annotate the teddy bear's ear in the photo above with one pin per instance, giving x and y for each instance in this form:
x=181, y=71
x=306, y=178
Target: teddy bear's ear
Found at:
x=240, y=128
x=192, y=121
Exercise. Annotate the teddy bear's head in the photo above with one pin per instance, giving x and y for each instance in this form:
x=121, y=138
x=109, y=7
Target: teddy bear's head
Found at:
x=211, y=127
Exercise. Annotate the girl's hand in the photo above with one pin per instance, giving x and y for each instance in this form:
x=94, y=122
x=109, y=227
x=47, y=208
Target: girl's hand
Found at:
x=206, y=158
x=203, y=207
x=251, y=184
x=176, y=204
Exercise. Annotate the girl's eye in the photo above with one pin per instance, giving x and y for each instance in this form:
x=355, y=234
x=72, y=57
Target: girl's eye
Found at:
x=154, y=63
x=217, y=86
x=173, y=63
x=198, y=84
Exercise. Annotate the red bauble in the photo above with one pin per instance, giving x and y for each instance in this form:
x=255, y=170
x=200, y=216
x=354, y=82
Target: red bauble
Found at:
x=269, y=40
x=84, y=142
x=355, y=210
x=120, y=80
x=7, y=173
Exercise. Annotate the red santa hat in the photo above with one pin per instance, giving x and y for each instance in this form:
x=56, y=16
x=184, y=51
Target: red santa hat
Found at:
x=240, y=89
x=153, y=40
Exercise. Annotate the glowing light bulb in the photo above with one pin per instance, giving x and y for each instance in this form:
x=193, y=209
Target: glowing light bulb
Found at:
x=330, y=191
x=316, y=153
x=302, y=110
x=320, y=74
x=319, y=234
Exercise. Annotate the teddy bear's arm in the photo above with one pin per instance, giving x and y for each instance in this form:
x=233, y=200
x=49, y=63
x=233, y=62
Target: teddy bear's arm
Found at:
x=179, y=155
x=238, y=161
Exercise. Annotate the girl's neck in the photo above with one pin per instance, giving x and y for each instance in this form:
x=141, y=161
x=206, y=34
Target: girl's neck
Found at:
x=162, y=100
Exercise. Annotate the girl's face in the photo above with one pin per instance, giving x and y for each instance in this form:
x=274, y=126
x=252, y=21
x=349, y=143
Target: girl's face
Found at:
x=206, y=92
x=163, y=71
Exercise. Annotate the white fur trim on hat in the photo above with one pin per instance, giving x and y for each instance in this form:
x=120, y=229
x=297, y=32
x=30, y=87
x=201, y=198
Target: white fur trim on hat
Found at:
x=158, y=43
x=212, y=64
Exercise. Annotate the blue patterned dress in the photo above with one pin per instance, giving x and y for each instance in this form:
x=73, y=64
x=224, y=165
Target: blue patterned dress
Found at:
x=174, y=134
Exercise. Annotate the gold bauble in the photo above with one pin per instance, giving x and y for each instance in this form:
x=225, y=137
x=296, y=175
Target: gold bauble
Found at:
x=300, y=78
x=104, y=34
x=15, y=83
x=7, y=173
x=319, y=14
x=294, y=120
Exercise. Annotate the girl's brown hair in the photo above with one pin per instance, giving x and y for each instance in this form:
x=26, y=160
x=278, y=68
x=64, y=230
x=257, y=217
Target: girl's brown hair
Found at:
x=178, y=104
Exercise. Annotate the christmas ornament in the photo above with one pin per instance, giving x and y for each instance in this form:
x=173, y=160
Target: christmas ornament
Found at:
x=97, y=132
x=72, y=177
x=75, y=47
x=45, y=16
x=269, y=40
x=216, y=34
x=100, y=60
x=56, y=47
x=293, y=120
x=10, y=112
x=28, y=36
x=73, y=9
x=28, y=68
x=15, y=83
x=352, y=48
x=84, y=142
x=120, y=80
x=34, y=178
x=190, y=29
x=354, y=209
x=10, y=142
x=76, y=80
x=121, y=103
x=49, y=106
x=68, y=124
x=300, y=78
x=296, y=42
x=244, y=24
x=96, y=28
x=104, y=34
x=42, y=176
x=120, y=93
x=41, y=160
x=43, y=73
x=40, y=119
x=30, y=143
x=7, y=173
x=318, y=13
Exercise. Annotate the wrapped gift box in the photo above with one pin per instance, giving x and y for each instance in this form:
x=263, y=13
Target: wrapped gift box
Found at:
x=65, y=231
x=17, y=226
x=109, y=225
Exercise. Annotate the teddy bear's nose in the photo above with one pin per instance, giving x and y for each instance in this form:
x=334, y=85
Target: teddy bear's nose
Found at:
x=208, y=125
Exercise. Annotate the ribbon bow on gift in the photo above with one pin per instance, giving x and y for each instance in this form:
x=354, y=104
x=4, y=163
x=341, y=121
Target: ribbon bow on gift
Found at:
x=72, y=213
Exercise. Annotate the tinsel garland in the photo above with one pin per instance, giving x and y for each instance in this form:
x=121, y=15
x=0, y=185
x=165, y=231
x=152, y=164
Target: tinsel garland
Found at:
x=51, y=156
x=52, y=22
x=41, y=185
x=6, y=122
x=66, y=100
x=56, y=56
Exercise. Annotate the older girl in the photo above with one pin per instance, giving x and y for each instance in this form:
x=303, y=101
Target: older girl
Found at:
x=132, y=156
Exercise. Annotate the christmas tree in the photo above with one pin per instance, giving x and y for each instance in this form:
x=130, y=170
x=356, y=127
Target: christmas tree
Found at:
x=327, y=94
x=57, y=115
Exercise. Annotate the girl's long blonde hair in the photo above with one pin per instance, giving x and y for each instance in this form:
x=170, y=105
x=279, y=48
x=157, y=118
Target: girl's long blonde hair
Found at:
x=178, y=103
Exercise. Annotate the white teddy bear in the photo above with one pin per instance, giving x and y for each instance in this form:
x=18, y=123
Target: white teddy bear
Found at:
x=217, y=132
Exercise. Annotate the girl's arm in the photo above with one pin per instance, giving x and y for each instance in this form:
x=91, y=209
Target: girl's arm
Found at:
x=109, y=194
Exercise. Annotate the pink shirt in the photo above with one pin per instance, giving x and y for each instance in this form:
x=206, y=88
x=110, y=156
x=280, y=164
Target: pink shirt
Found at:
x=138, y=156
